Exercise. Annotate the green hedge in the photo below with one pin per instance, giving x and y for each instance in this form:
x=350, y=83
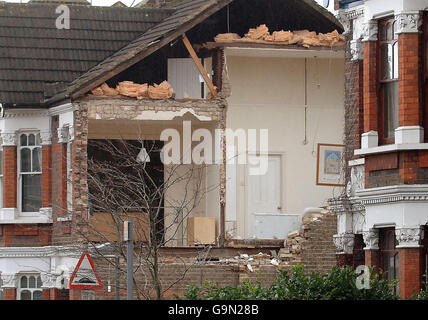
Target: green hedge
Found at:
x=339, y=284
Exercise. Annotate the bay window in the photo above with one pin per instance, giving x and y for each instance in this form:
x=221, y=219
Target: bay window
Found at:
x=30, y=288
x=388, y=78
x=389, y=255
x=30, y=172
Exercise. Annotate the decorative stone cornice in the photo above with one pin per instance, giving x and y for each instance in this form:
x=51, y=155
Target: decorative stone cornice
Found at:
x=25, y=113
x=408, y=237
x=370, y=30
x=46, y=138
x=8, y=139
x=344, y=243
x=346, y=205
x=356, y=48
x=345, y=20
x=371, y=239
x=393, y=194
x=408, y=22
x=9, y=280
x=28, y=252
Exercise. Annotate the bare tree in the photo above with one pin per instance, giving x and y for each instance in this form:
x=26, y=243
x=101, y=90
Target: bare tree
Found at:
x=127, y=180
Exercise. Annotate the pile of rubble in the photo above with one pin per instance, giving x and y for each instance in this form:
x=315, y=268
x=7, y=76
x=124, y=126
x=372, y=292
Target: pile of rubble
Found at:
x=305, y=38
x=135, y=90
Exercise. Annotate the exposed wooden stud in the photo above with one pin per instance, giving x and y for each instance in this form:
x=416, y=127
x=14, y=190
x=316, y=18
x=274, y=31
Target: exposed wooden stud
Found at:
x=199, y=65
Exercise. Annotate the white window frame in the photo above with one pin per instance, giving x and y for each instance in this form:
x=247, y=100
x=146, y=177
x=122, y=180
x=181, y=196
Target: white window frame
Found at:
x=20, y=174
x=32, y=290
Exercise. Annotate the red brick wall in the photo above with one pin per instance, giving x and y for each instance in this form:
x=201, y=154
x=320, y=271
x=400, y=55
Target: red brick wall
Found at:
x=372, y=258
x=59, y=179
x=46, y=177
x=410, y=271
x=9, y=294
x=9, y=177
x=18, y=235
x=370, y=86
x=410, y=112
x=406, y=167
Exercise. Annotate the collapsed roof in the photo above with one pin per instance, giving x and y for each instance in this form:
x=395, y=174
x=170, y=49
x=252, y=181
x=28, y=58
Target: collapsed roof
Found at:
x=41, y=64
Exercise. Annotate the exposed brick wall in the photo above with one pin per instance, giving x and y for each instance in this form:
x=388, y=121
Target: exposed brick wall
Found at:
x=25, y=235
x=409, y=101
x=410, y=271
x=370, y=86
x=312, y=245
x=9, y=177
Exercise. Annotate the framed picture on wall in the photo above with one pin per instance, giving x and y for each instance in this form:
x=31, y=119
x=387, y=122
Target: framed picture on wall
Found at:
x=330, y=165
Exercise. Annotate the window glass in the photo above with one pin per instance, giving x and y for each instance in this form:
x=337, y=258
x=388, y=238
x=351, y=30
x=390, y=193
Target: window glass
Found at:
x=25, y=160
x=389, y=31
x=395, y=59
x=32, y=282
x=37, y=160
x=31, y=140
x=38, y=140
x=31, y=193
x=395, y=30
x=39, y=282
x=387, y=61
x=37, y=295
x=391, y=110
x=24, y=283
x=23, y=140
x=26, y=295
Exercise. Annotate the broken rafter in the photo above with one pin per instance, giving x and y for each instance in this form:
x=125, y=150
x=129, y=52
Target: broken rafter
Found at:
x=198, y=64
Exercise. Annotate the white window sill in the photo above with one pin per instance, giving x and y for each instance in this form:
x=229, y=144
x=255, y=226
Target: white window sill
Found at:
x=391, y=148
x=13, y=216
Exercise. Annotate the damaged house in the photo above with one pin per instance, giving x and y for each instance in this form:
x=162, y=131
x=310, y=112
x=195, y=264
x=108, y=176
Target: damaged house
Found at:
x=261, y=81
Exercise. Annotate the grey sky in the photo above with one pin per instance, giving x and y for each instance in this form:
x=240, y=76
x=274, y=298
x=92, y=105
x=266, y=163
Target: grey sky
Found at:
x=94, y=2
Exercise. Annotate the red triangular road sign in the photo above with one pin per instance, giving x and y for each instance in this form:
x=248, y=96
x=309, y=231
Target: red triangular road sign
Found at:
x=85, y=276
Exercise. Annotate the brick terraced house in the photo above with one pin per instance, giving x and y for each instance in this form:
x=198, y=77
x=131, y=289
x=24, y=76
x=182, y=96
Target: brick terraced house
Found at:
x=63, y=89
x=382, y=221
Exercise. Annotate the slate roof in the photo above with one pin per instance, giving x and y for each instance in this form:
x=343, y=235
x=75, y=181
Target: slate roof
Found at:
x=185, y=17
x=37, y=59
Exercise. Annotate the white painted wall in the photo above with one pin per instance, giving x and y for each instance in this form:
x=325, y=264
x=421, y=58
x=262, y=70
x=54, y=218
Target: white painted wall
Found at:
x=270, y=93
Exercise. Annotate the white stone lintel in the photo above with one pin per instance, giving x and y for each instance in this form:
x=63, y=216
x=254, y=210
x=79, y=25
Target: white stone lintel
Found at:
x=369, y=140
x=409, y=134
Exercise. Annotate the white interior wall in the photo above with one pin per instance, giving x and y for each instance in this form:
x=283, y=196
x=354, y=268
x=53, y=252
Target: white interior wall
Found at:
x=270, y=93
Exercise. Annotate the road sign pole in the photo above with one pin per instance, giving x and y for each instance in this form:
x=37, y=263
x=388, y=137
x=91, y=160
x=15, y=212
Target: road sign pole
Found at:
x=128, y=233
x=117, y=276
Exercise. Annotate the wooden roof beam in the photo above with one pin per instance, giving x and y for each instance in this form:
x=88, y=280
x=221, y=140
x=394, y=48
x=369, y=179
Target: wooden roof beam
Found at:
x=199, y=65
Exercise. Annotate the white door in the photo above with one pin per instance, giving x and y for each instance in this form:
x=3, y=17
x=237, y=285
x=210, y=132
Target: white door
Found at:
x=264, y=193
